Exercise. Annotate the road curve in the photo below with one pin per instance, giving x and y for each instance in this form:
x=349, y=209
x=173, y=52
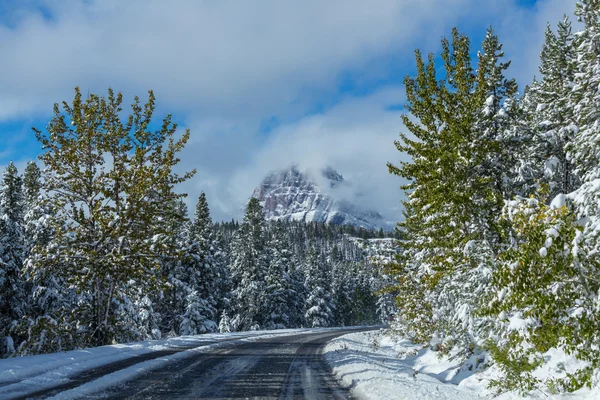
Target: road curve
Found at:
x=284, y=367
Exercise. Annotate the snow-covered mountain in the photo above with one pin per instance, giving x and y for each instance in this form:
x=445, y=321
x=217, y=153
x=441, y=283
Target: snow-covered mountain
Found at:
x=294, y=195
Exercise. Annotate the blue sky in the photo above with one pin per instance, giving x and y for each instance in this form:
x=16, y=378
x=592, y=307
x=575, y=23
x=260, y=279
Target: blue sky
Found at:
x=261, y=83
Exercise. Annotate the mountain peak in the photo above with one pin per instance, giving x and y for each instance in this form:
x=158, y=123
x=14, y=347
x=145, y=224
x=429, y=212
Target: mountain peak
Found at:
x=332, y=175
x=291, y=194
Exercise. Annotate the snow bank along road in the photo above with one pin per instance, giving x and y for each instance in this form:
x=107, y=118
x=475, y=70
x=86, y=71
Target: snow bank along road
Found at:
x=274, y=364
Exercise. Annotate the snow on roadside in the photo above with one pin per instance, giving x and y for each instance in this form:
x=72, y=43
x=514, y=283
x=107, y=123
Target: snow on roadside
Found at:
x=23, y=375
x=378, y=365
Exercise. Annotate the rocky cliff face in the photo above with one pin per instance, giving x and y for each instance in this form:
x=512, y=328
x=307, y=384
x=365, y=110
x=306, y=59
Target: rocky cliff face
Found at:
x=294, y=195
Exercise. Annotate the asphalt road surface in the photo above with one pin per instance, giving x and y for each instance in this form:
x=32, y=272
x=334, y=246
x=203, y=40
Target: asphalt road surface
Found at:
x=281, y=367
x=287, y=367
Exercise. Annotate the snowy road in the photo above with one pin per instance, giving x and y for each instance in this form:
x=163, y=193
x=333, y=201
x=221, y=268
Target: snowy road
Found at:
x=286, y=365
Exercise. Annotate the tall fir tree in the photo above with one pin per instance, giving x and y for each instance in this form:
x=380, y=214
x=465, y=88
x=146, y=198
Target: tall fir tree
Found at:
x=13, y=292
x=342, y=288
x=551, y=114
x=457, y=184
x=279, y=292
x=249, y=266
x=49, y=325
x=319, y=305
x=175, y=272
x=586, y=97
x=36, y=216
x=203, y=268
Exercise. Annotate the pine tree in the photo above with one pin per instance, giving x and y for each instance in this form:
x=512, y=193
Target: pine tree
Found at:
x=586, y=97
x=495, y=140
x=342, y=288
x=249, y=267
x=542, y=296
x=224, y=323
x=364, y=300
x=444, y=157
x=109, y=234
x=203, y=270
x=13, y=296
x=319, y=305
x=49, y=325
x=177, y=273
x=279, y=295
x=36, y=216
x=552, y=114
x=585, y=100
x=458, y=182
x=32, y=184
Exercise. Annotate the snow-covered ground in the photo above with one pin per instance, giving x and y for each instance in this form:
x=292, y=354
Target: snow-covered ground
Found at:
x=378, y=365
x=25, y=375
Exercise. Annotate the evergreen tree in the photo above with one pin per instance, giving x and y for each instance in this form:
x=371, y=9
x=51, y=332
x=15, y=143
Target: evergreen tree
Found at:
x=319, y=305
x=280, y=293
x=541, y=279
x=551, y=117
x=455, y=179
x=224, y=323
x=13, y=296
x=201, y=312
x=109, y=236
x=177, y=273
x=342, y=289
x=497, y=136
x=32, y=184
x=50, y=325
x=249, y=266
x=364, y=299
x=586, y=98
x=36, y=215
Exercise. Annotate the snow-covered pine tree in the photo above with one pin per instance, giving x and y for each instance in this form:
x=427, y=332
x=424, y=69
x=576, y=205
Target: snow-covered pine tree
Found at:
x=221, y=270
x=198, y=315
x=527, y=171
x=175, y=272
x=249, y=266
x=203, y=274
x=298, y=294
x=319, y=305
x=457, y=180
x=437, y=214
x=493, y=129
x=495, y=140
x=109, y=236
x=551, y=113
x=544, y=296
x=585, y=100
x=279, y=292
x=202, y=238
x=224, y=323
x=586, y=96
x=32, y=184
x=364, y=300
x=50, y=325
x=36, y=216
x=342, y=287
x=13, y=291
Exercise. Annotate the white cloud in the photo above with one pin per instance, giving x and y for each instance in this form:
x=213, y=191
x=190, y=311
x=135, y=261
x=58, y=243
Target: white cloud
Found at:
x=224, y=66
x=225, y=57
x=355, y=138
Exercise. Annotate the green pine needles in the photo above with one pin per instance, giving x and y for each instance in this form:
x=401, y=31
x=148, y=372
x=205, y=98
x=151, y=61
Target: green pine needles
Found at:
x=500, y=239
x=109, y=181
